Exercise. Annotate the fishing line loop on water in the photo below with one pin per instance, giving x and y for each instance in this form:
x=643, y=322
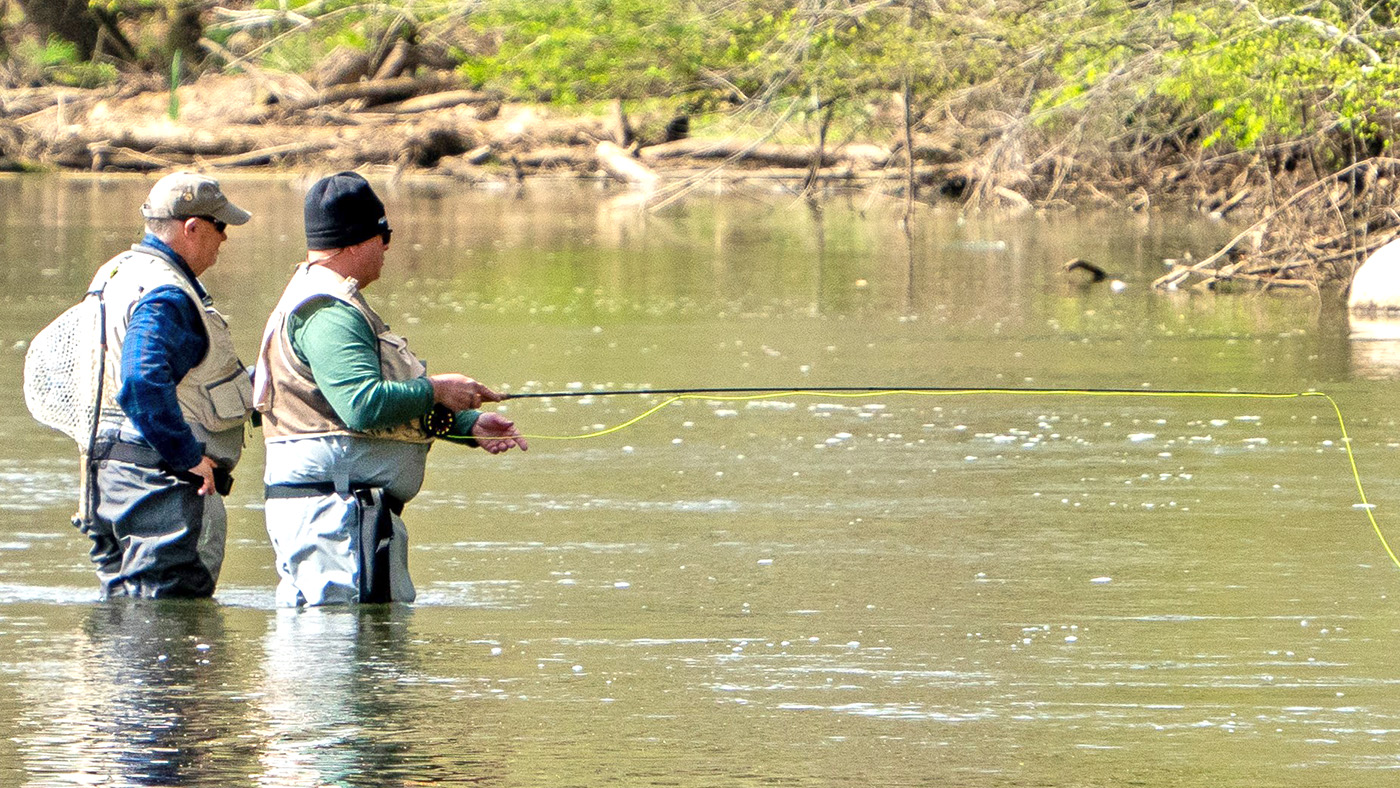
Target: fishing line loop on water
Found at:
x=752, y=394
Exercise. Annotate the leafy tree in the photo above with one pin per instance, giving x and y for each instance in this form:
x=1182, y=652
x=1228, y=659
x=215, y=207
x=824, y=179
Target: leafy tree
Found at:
x=70, y=20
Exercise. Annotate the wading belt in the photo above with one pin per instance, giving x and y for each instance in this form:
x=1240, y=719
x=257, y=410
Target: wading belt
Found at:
x=147, y=457
x=375, y=532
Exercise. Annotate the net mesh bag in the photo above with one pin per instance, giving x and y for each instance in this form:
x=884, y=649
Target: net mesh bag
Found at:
x=63, y=371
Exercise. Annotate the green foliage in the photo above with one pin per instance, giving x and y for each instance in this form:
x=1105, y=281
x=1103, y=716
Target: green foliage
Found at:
x=810, y=56
x=54, y=53
x=580, y=50
x=85, y=75
x=1234, y=77
x=132, y=7
x=57, y=61
x=173, y=109
x=1227, y=74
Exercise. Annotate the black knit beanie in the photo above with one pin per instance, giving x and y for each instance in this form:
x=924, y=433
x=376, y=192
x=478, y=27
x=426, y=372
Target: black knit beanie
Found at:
x=342, y=210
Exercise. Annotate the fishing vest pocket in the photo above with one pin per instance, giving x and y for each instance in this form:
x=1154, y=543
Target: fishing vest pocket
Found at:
x=232, y=396
x=398, y=362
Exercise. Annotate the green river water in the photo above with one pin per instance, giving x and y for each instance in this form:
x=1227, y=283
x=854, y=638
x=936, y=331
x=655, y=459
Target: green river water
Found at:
x=979, y=590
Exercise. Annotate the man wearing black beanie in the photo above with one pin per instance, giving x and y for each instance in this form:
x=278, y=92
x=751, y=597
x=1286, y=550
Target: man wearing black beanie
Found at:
x=349, y=413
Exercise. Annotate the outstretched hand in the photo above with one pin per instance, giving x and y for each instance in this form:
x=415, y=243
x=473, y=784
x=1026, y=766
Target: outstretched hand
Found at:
x=497, y=434
x=460, y=392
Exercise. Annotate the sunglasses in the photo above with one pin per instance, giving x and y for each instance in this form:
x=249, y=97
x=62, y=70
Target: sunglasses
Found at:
x=218, y=225
x=386, y=235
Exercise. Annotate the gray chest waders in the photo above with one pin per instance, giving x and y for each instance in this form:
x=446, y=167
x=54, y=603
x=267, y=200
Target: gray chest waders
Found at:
x=376, y=510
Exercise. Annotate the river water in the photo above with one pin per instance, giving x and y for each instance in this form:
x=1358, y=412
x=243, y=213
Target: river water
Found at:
x=972, y=590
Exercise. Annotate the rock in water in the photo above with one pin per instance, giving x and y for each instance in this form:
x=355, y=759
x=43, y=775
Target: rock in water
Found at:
x=1376, y=285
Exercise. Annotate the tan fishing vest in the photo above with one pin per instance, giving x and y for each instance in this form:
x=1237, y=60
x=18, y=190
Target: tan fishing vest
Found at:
x=284, y=390
x=217, y=393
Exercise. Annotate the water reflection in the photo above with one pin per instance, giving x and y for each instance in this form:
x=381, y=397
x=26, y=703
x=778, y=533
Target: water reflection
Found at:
x=339, y=705
x=886, y=593
x=1375, y=347
x=146, y=701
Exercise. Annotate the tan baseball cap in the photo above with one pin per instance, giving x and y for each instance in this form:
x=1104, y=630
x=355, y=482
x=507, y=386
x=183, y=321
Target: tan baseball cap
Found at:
x=181, y=195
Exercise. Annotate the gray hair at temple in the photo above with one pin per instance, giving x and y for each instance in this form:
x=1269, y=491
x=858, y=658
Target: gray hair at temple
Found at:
x=164, y=229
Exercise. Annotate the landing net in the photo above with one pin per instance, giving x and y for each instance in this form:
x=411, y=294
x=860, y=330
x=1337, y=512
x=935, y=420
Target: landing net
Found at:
x=63, y=371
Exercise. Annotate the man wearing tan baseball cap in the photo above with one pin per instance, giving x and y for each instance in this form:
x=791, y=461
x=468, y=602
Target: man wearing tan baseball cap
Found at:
x=175, y=399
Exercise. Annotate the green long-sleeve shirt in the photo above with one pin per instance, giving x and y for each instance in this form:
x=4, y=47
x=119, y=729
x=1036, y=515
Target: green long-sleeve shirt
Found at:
x=337, y=343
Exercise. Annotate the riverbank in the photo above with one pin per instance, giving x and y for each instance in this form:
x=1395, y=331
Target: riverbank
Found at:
x=412, y=123
x=1306, y=227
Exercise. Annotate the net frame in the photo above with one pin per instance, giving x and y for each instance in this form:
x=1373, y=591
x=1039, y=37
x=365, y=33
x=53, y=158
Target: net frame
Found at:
x=64, y=371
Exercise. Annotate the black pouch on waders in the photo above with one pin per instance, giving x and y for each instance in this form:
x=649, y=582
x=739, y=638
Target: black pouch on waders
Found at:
x=377, y=510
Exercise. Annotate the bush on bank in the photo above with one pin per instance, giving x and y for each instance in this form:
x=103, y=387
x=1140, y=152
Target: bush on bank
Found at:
x=1211, y=74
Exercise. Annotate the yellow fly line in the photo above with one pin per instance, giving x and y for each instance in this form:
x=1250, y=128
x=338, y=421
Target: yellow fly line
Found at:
x=952, y=392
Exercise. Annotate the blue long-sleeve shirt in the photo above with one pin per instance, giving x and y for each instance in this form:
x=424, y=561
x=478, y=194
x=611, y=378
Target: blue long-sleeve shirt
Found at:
x=164, y=341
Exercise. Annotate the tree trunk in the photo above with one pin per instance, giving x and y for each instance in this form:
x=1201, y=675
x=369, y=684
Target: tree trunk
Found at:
x=185, y=31
x=70, y=20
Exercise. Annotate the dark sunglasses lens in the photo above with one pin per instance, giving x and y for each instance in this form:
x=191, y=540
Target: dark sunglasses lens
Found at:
x=220, y=226
x=386, y=235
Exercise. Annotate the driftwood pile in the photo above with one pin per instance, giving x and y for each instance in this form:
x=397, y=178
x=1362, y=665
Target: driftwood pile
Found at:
x=1319, y=233
x=1314, y=227
x=429, y=121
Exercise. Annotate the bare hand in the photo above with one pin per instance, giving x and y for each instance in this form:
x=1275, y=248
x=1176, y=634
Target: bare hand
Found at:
x=460, y=392
x=205, y=470
x=497, y=434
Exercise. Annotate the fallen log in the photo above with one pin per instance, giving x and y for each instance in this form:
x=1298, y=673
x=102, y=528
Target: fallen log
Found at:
x=1276, y=269
x=477, y=155
x=21, y=103
x=371, y=93
x=527, y=128
x=1267, y=282
x=617, y=163
x=1173, y=280
x=555, y=158
x=865, y=155
x=106, y=158
x=398, y=60
x=161, y=139
x=1222, y=210
x=432, y=101
x=174, y=139
x=793, y=156
x=65, y=110
x=929, y=150
x=800, y=175
x=255, y=158
x=343, y=66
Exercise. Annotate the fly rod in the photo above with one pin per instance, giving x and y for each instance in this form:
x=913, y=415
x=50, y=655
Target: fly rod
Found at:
x=746, y=390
